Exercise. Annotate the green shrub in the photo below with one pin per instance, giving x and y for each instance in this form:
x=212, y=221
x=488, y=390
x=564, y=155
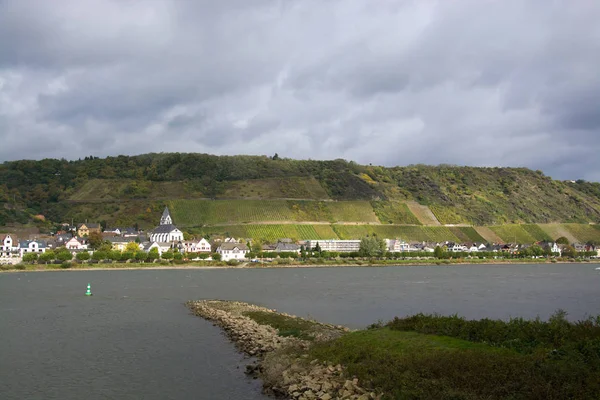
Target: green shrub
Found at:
x=232, y=262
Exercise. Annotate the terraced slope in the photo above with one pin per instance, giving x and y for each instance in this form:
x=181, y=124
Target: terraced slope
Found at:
x=270, y=232
x=352, y=211
x=513, y=233
x=422, y=213
x=204, y=212
x=488, y=235
x=394, y=212
x=556, y=231
x=210, y=212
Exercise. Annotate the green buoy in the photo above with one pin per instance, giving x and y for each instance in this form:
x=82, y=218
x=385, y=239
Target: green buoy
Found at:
x=89, y=290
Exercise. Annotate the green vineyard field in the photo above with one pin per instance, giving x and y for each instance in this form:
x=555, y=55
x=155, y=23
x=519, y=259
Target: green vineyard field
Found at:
x=394, y=213
x=512, y=233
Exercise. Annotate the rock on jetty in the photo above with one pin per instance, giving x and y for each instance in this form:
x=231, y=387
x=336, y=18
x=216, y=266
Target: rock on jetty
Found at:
x=283, y=364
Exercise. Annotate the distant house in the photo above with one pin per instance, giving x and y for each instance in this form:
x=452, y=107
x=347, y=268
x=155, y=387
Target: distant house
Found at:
x=63, y=237
x=8, y=245
x=335, y=245
x=129, y=232
x=32, y=246
x=76, y=244
x=201, y=246
x=455, y=247
x=166, y=231
x=160, y=246
x=268, y=247
x=120, y=243
x=472, y=247
x=397, y=246
x=114, y=231
x=233, y=251
x=106, y=235
x=86, y=229
x=287, y=248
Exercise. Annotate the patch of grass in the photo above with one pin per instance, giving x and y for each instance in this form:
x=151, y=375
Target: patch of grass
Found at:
x=536, y=232
x=201, y=212
x=524, y=336
x=467, y=234
x=286, y=326
x=392, y=212
x=422, y=213
x=447, y=215
x=310, y=211
x=352, y=211
x=584, y=232
x=433, y=357
x=510, y=233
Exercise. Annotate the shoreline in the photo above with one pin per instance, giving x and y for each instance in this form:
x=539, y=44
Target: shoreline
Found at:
x=280, y=344
x=414, y=356
x=248, y=265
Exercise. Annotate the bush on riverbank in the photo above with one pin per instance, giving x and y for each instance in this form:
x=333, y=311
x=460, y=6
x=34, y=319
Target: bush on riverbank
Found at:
x=429, y=356
x=524, y=336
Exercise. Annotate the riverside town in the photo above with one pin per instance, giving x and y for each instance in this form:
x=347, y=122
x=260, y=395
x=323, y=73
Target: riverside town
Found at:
x=89, y=243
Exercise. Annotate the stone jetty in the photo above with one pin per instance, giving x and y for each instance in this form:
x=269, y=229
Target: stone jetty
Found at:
x=282, y=362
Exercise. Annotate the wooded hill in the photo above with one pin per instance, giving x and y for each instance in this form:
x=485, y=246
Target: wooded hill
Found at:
x=206, y=191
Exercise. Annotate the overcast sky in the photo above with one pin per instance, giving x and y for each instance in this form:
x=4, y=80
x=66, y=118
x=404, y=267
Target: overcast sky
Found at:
x=483, y=83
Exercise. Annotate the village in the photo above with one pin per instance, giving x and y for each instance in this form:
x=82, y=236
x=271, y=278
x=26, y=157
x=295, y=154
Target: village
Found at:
x=88, y=242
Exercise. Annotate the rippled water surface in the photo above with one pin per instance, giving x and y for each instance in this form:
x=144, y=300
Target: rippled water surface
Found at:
x=134, y=339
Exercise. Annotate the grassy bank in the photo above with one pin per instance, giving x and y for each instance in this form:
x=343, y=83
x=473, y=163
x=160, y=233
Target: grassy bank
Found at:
x=287, y=263
x=436, y=357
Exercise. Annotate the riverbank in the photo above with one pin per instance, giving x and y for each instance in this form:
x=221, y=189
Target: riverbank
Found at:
x=281, y=342
x=421, y=356
x=323, y=264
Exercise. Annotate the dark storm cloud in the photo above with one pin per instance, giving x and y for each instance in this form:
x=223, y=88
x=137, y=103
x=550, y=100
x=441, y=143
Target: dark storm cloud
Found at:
x=389, y=82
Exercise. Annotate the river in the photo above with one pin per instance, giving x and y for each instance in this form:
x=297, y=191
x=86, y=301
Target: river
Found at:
x=134, y=339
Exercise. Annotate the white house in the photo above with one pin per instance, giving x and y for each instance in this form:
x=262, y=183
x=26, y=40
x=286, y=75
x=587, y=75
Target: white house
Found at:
x=201, y=246
x=455, y=247
x=233, y=251
x=76, y=244
x=8, y=246
x=160, y=246
x=32, y=246
x=116, y=231
x=473, y=248
x=166, y=231
x=396, y=246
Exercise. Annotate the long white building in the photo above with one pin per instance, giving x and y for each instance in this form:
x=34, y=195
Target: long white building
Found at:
x=335, y=245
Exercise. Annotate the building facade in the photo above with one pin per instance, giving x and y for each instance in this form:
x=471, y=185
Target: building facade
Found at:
x=166, y=232
x=233, y=251
x=335, y=245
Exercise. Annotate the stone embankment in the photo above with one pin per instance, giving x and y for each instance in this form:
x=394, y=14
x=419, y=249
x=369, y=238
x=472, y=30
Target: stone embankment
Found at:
x=283, y=363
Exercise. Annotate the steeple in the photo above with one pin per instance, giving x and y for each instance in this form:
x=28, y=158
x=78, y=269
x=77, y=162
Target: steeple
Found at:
x=166, y=217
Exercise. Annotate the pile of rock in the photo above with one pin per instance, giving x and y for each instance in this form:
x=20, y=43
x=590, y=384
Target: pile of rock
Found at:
x=295, y=378
x=320, y=381
x=250, y=337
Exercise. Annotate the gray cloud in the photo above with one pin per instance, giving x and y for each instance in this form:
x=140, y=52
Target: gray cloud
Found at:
x=511, y=83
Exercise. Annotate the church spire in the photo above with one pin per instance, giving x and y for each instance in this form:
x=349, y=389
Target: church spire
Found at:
x=166, y=217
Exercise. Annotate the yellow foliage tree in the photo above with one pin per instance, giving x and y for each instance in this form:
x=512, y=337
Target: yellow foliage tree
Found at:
x=132, y=246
